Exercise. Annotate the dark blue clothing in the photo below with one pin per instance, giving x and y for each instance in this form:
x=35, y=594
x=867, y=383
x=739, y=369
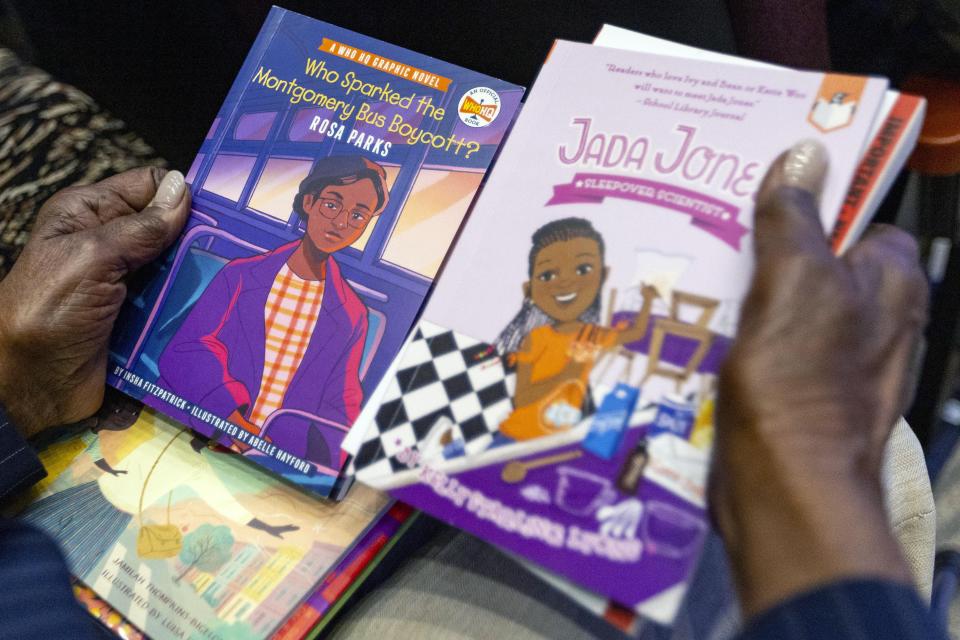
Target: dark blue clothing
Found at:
x=19, y=465
x=36, y=600
x=867, y=609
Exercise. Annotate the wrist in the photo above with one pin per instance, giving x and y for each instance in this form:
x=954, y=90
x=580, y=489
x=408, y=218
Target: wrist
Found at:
x=28, y=418
x=786, y=536
x=17, y=392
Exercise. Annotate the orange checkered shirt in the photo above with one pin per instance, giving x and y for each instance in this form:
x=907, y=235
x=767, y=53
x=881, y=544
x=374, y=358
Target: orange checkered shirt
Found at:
x=289, y=317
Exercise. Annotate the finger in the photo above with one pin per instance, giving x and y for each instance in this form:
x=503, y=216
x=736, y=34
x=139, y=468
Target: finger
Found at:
x=137, y=239
x=889, y=257
x=85, y=207
x=787, y=218
x=888, y=242
x=135, y=187
x=886, y=262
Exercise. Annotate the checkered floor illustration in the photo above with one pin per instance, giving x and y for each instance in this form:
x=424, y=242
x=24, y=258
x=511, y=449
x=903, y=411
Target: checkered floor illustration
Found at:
x=443, y=376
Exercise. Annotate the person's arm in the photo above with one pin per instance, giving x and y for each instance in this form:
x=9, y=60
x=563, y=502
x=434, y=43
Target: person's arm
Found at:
x=342, y=400
x=194, y=362
x=19, y=465
x=638, y=330
x=57, y=308
x=808, y=395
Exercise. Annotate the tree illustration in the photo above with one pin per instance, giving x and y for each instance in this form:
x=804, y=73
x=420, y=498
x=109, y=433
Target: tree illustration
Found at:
x=207, y=548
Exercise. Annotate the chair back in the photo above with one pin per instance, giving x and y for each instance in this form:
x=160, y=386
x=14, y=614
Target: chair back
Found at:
x=197, y=270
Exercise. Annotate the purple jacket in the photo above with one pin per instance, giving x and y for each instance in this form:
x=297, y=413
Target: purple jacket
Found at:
x=215, y=360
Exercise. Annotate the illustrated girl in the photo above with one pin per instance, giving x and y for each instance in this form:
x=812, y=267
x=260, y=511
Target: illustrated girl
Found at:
x=556, y=338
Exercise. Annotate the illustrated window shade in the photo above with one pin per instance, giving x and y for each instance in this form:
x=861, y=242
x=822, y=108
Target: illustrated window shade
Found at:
x=278, y=185
x=254, y=126
x=192, y=172
x=213, y=129
x=431, y=216
x=300, y=127
x=389, y=112
x=228, y=175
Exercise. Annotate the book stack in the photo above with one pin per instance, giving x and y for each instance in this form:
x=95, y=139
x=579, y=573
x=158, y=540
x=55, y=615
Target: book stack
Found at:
x=554, y=395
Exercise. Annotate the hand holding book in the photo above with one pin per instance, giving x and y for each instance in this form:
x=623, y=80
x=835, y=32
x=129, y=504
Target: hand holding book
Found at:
x=812, y=387
x=63, y=295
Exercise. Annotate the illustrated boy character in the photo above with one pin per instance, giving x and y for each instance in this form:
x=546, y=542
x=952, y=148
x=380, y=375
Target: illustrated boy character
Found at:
x=284, y=329
x=556, y=338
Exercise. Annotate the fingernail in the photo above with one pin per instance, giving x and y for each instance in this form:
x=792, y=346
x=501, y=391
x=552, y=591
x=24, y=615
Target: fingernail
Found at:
x=805, y=166
x=170, y=191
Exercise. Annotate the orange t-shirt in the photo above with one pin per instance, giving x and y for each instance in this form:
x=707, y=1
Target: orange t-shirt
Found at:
x=549, y=353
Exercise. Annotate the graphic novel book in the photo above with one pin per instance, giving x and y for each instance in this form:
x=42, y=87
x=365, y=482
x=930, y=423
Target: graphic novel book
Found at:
x=325, y=196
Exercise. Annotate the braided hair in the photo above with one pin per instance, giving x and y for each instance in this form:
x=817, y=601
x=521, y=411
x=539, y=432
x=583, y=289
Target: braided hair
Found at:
x=530, y=315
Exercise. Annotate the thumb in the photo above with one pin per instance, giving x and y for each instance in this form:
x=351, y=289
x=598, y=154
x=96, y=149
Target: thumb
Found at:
x=787, y=218
x=136, y=239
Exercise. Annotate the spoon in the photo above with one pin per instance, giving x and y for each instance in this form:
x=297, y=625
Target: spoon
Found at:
x=515, y=471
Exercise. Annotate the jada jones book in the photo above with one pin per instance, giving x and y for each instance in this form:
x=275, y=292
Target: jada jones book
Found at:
x=325, y=197
x=556, y=397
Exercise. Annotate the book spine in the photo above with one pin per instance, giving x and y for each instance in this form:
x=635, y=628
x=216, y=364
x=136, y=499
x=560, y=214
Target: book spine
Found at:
x=876, y=163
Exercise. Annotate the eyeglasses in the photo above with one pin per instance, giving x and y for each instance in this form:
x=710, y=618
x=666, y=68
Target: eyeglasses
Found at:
x=331, y=210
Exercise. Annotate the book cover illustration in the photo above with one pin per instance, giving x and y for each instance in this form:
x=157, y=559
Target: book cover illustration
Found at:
x=557, y=396
x=325, y=197
x=311, y=616
x=185, y=541
x=340, y=583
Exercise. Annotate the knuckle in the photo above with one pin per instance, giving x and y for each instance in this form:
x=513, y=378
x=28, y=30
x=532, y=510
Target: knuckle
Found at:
x=789, y=208
x=784, y=200
x=794, y=199
x=134, y=179
x=896, y=240
x=808, y=269
x=87, y=249
x=66, y=210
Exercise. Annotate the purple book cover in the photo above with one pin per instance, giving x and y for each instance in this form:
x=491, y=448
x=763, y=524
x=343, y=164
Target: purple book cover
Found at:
x=557, y=395
x=325, y=197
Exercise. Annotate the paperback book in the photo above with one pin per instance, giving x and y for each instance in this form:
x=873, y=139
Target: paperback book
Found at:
x=174, y=539
x=311, y=617
x=556, y=397
x=325, y=197
x=893, y=136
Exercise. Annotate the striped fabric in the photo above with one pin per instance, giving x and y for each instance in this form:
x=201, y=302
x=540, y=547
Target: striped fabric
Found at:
x=83, y=521
x=855, y=609
x=36, y=600
x=19, y=465
x=289, y=317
